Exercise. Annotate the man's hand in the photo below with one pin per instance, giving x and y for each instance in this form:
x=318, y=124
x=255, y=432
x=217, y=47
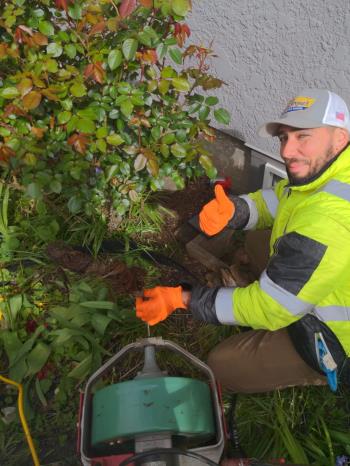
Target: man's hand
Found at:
x=217, y=213
x=159, y=302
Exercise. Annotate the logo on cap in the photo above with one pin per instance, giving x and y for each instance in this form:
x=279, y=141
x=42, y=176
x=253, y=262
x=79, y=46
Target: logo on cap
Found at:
x=299, y=103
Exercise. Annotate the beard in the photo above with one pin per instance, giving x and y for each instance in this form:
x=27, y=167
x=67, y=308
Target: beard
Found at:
x=316, y=169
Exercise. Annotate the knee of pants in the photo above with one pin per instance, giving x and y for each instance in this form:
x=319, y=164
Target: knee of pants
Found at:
x=220, y=362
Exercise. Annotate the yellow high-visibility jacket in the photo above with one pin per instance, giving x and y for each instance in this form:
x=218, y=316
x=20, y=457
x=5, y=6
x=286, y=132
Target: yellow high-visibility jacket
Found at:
x=309, y=265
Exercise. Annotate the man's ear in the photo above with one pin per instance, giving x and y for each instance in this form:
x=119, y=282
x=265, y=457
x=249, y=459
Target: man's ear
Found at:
x=341, y=138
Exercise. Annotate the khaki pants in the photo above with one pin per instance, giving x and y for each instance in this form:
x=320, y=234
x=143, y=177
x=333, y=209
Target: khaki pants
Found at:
x=260, y=360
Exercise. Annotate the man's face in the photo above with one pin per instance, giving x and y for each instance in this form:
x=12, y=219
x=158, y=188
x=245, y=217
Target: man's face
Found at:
x=306, y=151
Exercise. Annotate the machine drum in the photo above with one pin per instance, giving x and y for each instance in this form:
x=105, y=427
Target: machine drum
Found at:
x=177, y=405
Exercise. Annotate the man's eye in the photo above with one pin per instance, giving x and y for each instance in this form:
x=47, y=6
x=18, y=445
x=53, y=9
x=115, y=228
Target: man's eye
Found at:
x=303, y=136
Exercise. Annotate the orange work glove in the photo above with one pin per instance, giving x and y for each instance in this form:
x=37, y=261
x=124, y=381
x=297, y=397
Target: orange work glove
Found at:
x=217, y=213
x=158, y=303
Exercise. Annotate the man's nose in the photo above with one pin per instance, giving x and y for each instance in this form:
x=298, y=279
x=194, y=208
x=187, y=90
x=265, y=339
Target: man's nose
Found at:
x=289, y=147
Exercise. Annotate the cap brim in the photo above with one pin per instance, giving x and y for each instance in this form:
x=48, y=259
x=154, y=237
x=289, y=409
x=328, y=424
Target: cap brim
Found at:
x=271, y=128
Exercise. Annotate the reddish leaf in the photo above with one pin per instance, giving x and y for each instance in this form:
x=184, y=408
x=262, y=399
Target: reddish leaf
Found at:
x=49, y=94
x=150, y=56
x=99, y=27
x=25, y=29
x=3, y=50
x=79, y=141
x=181, y=32
x=127, y=7
x=31, y=100
x=63, y=4
x=25, y=86
x=95, y=71
x=39, y=39
x=20, y=36
x=11, y=109
x=6, y=153
x=38, y=132
x=88, y=72
x=146, y=3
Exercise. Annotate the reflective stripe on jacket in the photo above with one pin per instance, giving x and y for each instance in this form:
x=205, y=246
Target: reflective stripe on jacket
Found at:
x=309, y=266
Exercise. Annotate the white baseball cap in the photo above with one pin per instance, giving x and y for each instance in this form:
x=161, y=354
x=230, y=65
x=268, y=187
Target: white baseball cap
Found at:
x=312, y=108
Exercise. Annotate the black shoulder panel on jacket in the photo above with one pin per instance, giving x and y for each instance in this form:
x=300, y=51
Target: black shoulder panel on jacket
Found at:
x=242, y=213
x=295, y=259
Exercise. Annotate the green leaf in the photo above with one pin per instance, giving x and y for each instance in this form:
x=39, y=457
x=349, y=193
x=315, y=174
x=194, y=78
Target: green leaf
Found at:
x=54, y=49
x=115, y=59
x=56, y=186
x=124, y=88
x=86, y=126
x=127, y=107
x=129, y=48
x=98, y=304
x=74, y=204
x=100, y=322
x=75, y=11
x=70, y=50
x=114, y=140
x=206, y=162
x=82, y=369
x=102, y=132
x=161, y=50
x=51, y=65
x=91, y=113
x=178, y=151
x=101, y=145
x=203, y=112
x=15, y=304
x=211, y=100
x=37, y=358
x=180, y=7
x=112, y=170
x=78, y=90
x=34, y=191
x=10, y=93
x=168, y=138
x=137, y=100
x=120, y=99
x=168, y=72
x=163, y=86
x=64, y=117
x=46, y=28
x=176, y=55
x=140, y=162
x=181, y=84
x=40, y=392
x=155, y=133
x=222, y=116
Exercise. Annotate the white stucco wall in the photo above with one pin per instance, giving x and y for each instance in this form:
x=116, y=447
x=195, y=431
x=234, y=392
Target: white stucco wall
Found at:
x=269, y=50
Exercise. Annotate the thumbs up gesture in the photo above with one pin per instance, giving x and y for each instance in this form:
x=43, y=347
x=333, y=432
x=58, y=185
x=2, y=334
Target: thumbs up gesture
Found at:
x=217, y=213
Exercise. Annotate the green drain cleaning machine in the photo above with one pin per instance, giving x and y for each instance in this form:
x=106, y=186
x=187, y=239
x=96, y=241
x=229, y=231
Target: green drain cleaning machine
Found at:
x=153, y=419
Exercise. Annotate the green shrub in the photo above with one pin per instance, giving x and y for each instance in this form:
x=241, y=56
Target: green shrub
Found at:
x=99, y=102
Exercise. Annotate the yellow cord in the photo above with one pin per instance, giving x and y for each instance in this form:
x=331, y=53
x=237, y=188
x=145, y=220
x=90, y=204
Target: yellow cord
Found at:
x=23, y=419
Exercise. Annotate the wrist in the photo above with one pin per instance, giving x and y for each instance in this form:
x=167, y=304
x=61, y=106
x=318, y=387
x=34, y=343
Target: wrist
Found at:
x=186, y=298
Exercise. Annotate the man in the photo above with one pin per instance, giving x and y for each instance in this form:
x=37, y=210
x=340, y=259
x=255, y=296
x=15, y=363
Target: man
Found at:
x=300, y=307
